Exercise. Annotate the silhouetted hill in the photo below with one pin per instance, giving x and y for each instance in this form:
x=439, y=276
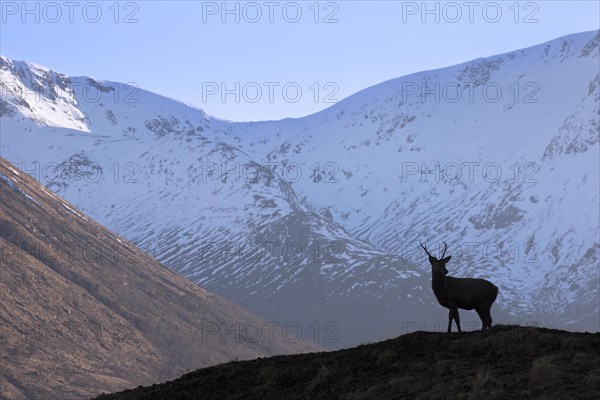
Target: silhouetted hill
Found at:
x=512, y=362
x=83, y=311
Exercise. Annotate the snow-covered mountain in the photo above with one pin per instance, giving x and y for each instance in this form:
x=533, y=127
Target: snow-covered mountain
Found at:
x=316, y=221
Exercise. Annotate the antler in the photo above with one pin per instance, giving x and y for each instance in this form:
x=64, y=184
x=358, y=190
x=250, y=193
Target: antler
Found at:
x=444, y=253
x=425, y=248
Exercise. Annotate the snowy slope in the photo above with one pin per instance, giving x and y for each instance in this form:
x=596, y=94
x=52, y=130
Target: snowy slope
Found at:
x=239, y=209
x=509, y=181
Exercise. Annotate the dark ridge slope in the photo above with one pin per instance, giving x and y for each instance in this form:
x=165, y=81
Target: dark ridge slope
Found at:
x=510, y=363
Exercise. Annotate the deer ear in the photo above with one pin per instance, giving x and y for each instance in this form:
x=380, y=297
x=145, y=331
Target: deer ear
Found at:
x=445, y=260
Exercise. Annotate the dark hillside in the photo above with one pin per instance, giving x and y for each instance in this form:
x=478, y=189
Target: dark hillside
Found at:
x=512, y=362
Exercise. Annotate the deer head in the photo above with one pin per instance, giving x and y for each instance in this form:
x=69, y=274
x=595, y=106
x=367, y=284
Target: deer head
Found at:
x=438, y=265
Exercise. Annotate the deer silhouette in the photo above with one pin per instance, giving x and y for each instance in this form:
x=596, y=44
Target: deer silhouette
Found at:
x=465, y=293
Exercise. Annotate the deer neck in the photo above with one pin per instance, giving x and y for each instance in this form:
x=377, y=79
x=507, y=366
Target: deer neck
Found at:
x=438, y=281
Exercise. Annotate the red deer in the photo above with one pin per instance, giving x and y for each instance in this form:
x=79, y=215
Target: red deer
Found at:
x=465, y=293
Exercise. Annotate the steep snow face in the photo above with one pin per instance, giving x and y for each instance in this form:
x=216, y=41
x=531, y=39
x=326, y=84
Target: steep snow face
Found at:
x=40, y=95
x=318, y=219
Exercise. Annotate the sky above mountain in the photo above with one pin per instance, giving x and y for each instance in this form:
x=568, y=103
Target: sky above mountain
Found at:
x=270, y=60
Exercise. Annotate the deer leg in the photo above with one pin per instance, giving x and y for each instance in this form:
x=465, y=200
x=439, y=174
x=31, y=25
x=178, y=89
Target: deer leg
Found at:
x=457, y=319
x=482, y=317
x=488, y=315
x=450, y=318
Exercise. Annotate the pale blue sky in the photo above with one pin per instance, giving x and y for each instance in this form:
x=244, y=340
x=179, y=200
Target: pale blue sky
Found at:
x=183, y=49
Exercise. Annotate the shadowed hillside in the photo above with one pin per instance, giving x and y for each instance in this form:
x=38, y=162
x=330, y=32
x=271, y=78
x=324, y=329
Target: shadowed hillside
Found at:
x=510, y=363
x=83, y=311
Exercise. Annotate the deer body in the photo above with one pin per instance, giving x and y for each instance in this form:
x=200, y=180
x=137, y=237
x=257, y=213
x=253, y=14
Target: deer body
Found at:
x=464, y=293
